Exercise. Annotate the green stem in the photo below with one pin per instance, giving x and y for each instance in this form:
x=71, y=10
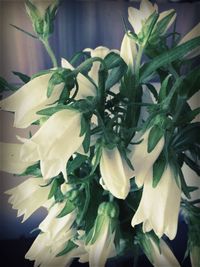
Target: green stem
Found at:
x=137, y=64
x=50, y=52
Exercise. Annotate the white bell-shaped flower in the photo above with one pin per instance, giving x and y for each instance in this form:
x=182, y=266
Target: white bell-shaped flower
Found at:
x=9, y=158
x=159, y=206
x=28, y=196
x=162, y=256
x=128, y=51
x=56, y=233
x=115, y=172
x=86, y=88
x=143, y=161
x=29, y=99
x=137, y=17
x=54, y=143
x=102, y=249
x=57, y=227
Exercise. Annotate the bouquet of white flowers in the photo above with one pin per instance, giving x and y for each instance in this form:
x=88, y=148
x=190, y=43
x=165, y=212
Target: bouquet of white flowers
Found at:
x=106, y=160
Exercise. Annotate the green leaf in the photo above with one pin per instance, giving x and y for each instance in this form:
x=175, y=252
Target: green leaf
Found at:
x=115, y=75
x=190, y=84
x=86, y=141
x=33, y=170
x=5, y=86
x=50, y=111
x=192, y=164
x=68, y=208
x=113, y=60
x=96, y=231
x=147, y=28
x=161, y=27
x=84, y=125
x=22, y=76
x=155, y=134
x=75, y=163
x=164, y=89
x=55, y=189
x=189, y=116
x=158, y=169
x=168, y=57
x=27, y=33
x=70, y=246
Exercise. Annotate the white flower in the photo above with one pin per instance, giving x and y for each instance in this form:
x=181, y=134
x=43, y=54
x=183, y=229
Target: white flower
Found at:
x=29, y=99
x=159, y=206
x=164, y=257
x=115, y=172
x=195, y=32
x=195, y=256
x=28, y=197
x=58, y=227
x=56, y=233
x=102, y=249
x=54, y=143
x=86, y=88
x=143, y=161
x=9, y=158
x=138, y=16
x=128, y=50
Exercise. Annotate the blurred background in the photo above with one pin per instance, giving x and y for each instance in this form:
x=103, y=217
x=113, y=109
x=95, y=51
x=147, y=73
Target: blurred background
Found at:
x=79, y=24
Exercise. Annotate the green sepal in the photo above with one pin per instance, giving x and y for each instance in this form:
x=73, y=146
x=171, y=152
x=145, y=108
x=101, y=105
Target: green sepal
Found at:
x=188, y=116
x=155, y=134
x=70, y=246
x=158, y=169
x=68, y=208
x=55, y=189
x=33, y=170
x=75, y=163
x=50, y=111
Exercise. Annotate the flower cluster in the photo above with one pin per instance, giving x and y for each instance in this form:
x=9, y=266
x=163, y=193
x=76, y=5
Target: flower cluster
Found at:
x=106, y=159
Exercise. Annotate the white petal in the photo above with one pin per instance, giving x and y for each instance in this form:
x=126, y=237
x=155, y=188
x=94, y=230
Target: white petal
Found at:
x=165, y=258
x=55, y=142
x=159, y=207
x=139, y=155
x=10, y=160
x=29, y=99
x=113, y=173
x=128, y=50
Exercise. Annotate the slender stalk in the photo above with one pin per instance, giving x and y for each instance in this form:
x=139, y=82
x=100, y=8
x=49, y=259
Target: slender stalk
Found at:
x=50, y=52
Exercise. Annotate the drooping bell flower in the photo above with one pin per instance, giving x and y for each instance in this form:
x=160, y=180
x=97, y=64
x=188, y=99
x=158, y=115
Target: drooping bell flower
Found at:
x=115, y=172
x=9, y=159
x=143, y=161
x=86, y=88
x=159, y=207
x=28, y=196
x=56, y=232
x=157, y=251
x=29, y=99
x=137, y=17
x=128, y=51
x=101, y=244
x=55, y=142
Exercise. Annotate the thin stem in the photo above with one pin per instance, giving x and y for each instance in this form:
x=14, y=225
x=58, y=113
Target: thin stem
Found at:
x=137, y=63
x=50, y=52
